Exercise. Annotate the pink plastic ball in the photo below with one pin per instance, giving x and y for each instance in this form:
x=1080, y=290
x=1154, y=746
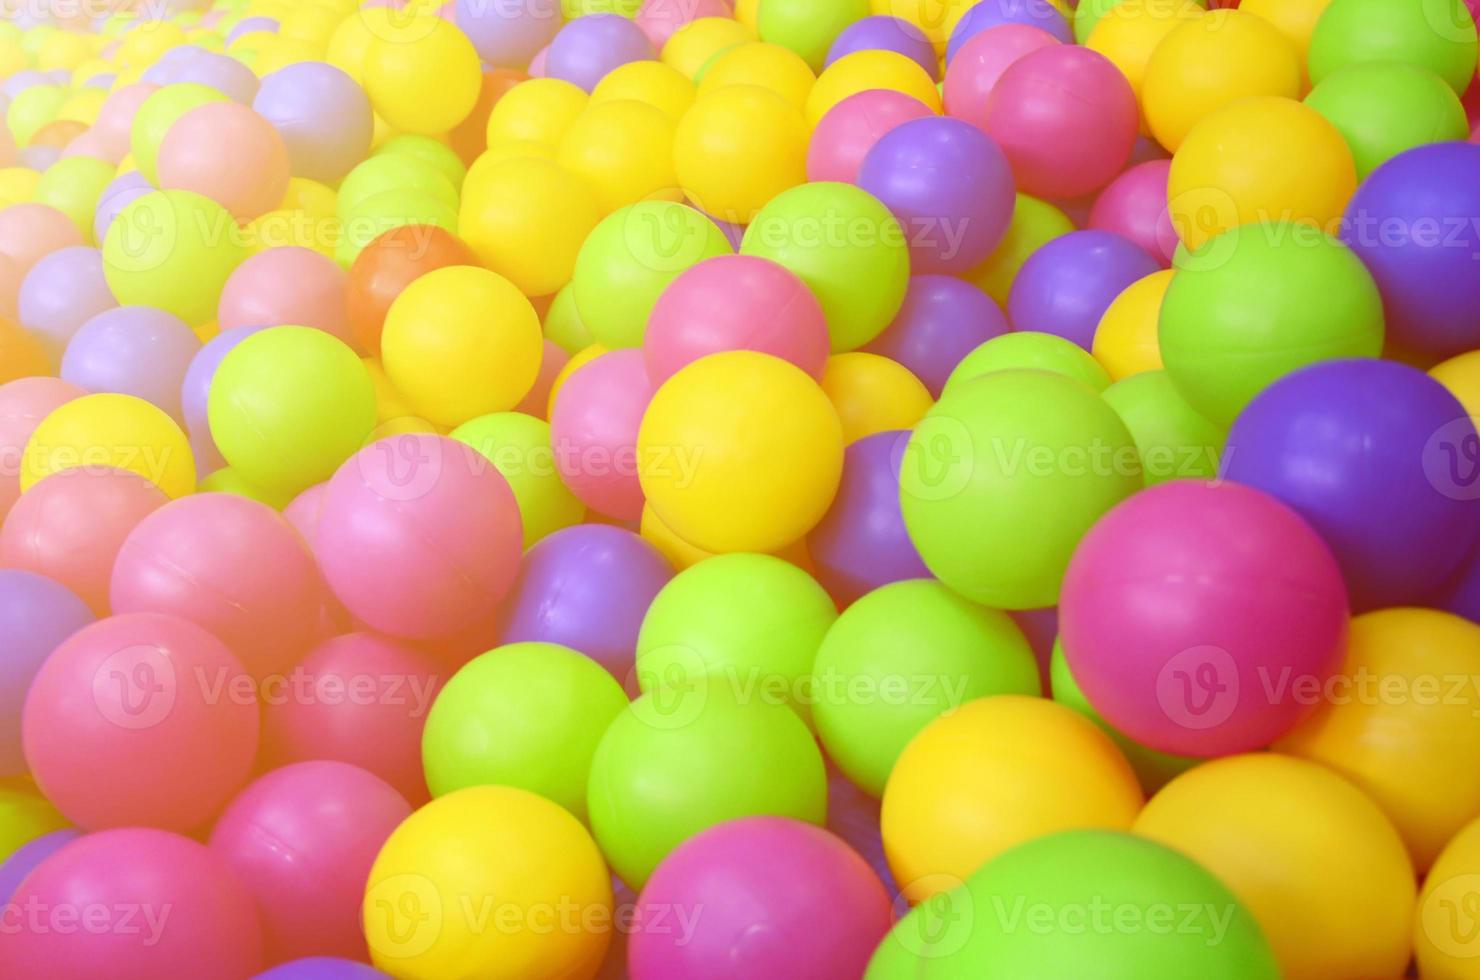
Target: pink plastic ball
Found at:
x=593, y=430
x=419, y=536
x=1066, y=118
x=1193, y=615
x=735, y=302
x=850, y=129
x=90, y=144
x=659, y=19
x=23, y=404
x=552, y=362
x=141, y=720
x=357, y=698
x=1134, y=206
x=70, y=525
x=228, y=153
x=160, y=905
x=302, y=839
x=290, y=285
x=115, y=122
x=537, y=63
x=303, y=511
x=782, y=899
x=975, y=70
x=28, y=232
x=230, y=565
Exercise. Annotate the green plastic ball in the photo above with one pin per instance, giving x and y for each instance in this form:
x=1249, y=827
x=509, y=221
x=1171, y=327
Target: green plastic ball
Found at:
x=228, y=480
x=1175, y=442
x=518, y=446
x=563, y=322
x=1435, y=34
x=1089, y=12
x=848, y=249
x=1385, y=107
x=1035, y=223
x=585, y=8
x=288, y=405
x=808, y=27
x=389, y=209
x=73, y=186
x=1258, y=302
x=681, y=760
x=436, y=154
x=1033, y=351
x=392, y=172
x=900, y=657
x=528, y=715
x=1002, y=478
x=32, y=109
x=157, y=114
x=753, y=622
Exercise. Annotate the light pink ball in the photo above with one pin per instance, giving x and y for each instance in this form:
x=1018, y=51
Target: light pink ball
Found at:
x=850, y=129
x=660, y=18
x=70, y=525
x=27, y=233
x=115, y=122
x=974, y=71
x=552, y=361
x=230, y=565
x=537, y=63
x=418, y=536
x=23, y=404
x=735, y=302
x=228, y=153
x=593, y=430
x=290, y=285
x=302, y=839
x=90, y=144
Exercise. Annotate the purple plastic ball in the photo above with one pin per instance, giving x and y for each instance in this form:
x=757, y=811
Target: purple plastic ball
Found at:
x=508, y=35
x=1065, y=287
x=1414, y=223
x=36, y=614
x=122, y=191
x=248, y=25
x=323, y=968
x=586, y=587
x=1381, y=460
x=218, y=71
x=949, y=185
x=994, y=13
x=1462, y=594
x=133, y=350
x=884, y=33
x=38, y=158
x=861, y=542
x=322, y=115
x=30, y=854
x=942, y=320
x=589, y=47
x=195, y=391
x=62, y=292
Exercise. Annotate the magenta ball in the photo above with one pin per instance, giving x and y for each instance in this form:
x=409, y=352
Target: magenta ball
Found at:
x=950, y=187
x=140, y=720
x=588, y=47
x=1066, y=118
x=850, y=129
x=63, y=291
x=989, y=14
x=1066, y=286
x=1134, y=206
x=586, y=587
x=861, y=542
x=302, y=839
x=36, y=615
x=196, y=391
x=133, y=350
x=172, y=908
x=322, y=116
x=883, y=33
x=507, y=35
x=942, y=320
x=782, y=899
x=976, y=68
x=1194, y=614
x=735, y=302
x=290, y=285
x=593, y=430
x=418, y=536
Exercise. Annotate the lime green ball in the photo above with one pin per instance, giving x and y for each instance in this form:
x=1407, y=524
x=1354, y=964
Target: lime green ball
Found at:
x=1385, y=107
x=679, y=761
x=1175, y=442
x=846, y=246
x=1089, y=12
x=392, y=172
x=630, y=258
x=585, y=8
x=808, y=27
x=563, y=322
x=938, y=926
x=73, y=186
x=1258, y=302
x=1154, y=769
x=32, y=109
x=1035, y=223
x=434, y=153
x=753, y=622
x=527, y=715
x=518, y=446
x=1002, y=478
x=389, y=209
x=228, y=480
x=1435, y=34
x=157, y=114
x=1030, y=350
x=173, y=250
x=288, y=405
x=900, y=657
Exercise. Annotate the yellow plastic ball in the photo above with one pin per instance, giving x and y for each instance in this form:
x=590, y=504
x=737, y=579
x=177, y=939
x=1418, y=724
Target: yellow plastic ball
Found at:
x=680, y=553
x=424, y=76
x=537, y=111
x=737, y=148
x=1312, y=858
x=1035, y=223
x=994, y=773
x=285, y=227
x=310, y=197
x=768, y=65
x=17, y=185
x=740, y=451
x=510, y=150
x=653, y=82
x=692, y=45
x=525, y=860
x=526, y=219
x=308, y=22
x=83, y=105
x=747, y=12
x=864, y=70
x=872, y=394
x=64, y=49
x=1259, y=160
x=1296, y=19
x=577, y=361
x=111, y=430
x=13, y=57
x=350, y=40
x=1402, y=722
x=1445, y=936
x=1125, y=341
x=1461, y=375
x=280, y=52
x=24, y=816
x=623, y=150
x=1130, y=31
x=389, y=403
x=1212, y=61
x=142, y=46
x=937, y=18
x=460, y=342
